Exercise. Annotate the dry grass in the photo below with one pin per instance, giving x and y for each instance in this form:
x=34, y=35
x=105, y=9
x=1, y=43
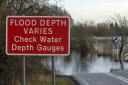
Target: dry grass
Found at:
x=46, y=80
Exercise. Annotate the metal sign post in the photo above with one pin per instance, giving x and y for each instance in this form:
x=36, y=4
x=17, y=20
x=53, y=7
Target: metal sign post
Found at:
x=24, y=71
x=53, y=71
x=38, y=35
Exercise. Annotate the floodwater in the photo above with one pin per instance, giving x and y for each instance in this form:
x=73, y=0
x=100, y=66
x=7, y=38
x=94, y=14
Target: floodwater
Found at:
x=73, y=64
x=91, y=64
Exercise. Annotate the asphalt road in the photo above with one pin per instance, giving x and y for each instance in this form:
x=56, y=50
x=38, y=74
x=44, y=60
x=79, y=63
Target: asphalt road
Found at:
x=113, y=78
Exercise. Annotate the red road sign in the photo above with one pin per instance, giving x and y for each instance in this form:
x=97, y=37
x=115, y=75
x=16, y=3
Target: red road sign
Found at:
x=37, y=35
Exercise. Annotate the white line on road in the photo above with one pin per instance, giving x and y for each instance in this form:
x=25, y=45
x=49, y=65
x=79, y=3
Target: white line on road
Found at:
x=118, y=77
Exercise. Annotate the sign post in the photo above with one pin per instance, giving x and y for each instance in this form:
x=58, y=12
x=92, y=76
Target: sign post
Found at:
x=38, y=35
x=53, y=71
x=24, y=71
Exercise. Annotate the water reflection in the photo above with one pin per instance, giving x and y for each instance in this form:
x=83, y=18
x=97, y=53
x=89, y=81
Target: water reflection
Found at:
x=101, y=64
x=75, y=64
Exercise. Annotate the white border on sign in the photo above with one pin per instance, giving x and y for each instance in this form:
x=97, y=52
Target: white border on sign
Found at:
x=38, y=54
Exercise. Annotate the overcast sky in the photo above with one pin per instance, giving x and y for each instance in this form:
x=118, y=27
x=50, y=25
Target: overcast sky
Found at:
x=97, y=10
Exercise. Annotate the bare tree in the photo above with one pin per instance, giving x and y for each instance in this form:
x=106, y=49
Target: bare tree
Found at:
x=121, y=29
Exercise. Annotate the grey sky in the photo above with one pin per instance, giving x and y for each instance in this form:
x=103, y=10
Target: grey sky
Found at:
x=97, y=10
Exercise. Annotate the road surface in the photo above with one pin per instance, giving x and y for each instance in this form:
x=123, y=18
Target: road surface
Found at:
x=112, y=78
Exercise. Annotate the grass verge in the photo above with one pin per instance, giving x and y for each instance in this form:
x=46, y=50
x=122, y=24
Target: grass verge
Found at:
x=46, y=80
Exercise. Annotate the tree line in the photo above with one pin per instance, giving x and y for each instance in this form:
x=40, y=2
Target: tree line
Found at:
x=81, y=35
x=11, y=66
